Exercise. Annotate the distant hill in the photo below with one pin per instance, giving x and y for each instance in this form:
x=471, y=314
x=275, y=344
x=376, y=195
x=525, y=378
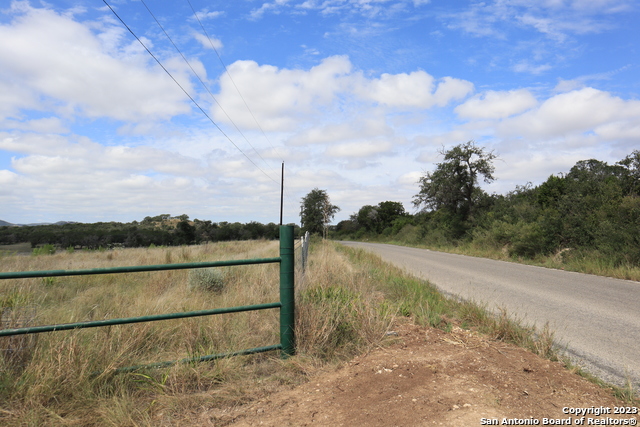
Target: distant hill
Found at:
x=5, y=223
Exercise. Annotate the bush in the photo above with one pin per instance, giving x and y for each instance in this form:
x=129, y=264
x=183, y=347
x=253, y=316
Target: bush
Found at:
x=206, y=279
x=529, y=241
x=44, y=250
x=409, y=234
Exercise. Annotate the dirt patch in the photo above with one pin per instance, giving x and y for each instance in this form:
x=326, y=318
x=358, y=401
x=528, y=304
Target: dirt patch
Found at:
x=430, y=377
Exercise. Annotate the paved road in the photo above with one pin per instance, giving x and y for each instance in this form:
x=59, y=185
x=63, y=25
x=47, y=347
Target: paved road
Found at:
x=596, y=318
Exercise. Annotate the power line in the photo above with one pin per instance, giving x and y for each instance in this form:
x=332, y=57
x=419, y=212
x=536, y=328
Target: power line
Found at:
x=226, y=70
x=203, y=84
x=184, y=90
x=229, y=75
x=283, y=189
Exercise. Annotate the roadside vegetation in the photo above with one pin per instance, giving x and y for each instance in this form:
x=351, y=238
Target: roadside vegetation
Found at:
x=347, y=303
x=585, y=220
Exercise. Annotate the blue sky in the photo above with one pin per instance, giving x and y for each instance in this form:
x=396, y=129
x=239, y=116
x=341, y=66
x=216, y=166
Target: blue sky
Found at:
x=355, y=96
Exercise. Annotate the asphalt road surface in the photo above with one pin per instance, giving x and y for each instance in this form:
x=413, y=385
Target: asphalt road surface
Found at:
x=596, y=319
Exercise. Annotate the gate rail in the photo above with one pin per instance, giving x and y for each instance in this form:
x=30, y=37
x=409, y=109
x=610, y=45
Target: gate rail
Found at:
x=286, y=303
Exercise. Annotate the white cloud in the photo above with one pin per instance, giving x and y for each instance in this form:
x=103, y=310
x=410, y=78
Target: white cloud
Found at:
x=7, y=178
x=74, y=70
x=577, y=111
x=278, y=97
x=329, y=103
x=207, y=42
x=525, y=66
x=627, y=130
x=205, y=14
x=13, y=97
x=601, y=6
x=545, y=25
x=409, y=178
x=496, y=105
x=415, y=90
x=568, y=85
x=44, y=125
x=273, y=7
x=367, y=8
x=359, y=149
x=581, y=81
x=556, y=19
x=337, y=132
x=46, y=154
x=537, y=166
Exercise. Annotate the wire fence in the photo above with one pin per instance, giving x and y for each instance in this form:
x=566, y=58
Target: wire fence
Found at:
x=304, y=251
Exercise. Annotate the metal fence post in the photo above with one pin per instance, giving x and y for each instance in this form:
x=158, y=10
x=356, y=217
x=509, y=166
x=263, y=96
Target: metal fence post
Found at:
x=287, y=292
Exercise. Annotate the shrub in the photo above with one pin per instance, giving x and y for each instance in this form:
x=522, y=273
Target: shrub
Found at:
x=44, y=250
x=206, y=279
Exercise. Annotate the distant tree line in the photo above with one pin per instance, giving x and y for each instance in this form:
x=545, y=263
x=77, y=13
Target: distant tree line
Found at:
x=160, y=230
x=594, y=208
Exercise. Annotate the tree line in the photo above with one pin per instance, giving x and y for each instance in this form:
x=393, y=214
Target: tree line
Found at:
x=594, y=208
x=160, y=230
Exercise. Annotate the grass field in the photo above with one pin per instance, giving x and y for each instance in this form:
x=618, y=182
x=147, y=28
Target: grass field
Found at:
x=18, y=248
x=346, y=303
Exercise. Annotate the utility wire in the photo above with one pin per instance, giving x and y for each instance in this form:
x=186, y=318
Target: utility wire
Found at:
x=230, y=78
x=185, y=92
x=286, y=192
x=203, y=84
x=226, y=70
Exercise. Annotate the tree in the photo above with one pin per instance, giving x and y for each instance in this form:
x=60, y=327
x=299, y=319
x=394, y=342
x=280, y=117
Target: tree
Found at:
x=316, y=211
x=368, y=218
x=185, y=233
x=632, y=164
x=389, y=212
x=378, y=218
x=453, y=187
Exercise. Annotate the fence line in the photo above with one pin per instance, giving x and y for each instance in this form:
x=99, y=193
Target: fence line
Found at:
x=286, y=303
x=304, y=253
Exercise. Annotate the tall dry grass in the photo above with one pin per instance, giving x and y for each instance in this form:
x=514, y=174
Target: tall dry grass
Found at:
x=54, y=382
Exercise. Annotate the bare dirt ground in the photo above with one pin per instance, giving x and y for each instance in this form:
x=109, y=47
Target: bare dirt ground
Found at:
x=430, y=377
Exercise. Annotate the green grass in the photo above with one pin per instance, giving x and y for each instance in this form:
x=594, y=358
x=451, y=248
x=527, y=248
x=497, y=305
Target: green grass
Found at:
x=420, y=300
x=17, y=248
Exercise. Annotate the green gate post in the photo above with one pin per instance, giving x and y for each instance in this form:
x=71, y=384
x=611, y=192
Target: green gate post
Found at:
x=287, y=292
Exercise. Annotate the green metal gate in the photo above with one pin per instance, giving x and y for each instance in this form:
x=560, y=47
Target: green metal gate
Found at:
x=286, y=303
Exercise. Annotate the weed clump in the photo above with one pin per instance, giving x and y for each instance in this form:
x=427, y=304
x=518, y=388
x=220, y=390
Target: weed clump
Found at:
x=338, y=314
x=206, y=279
x=44, y=250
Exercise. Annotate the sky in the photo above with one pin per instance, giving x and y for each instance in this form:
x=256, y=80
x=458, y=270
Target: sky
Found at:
x=118, y=110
